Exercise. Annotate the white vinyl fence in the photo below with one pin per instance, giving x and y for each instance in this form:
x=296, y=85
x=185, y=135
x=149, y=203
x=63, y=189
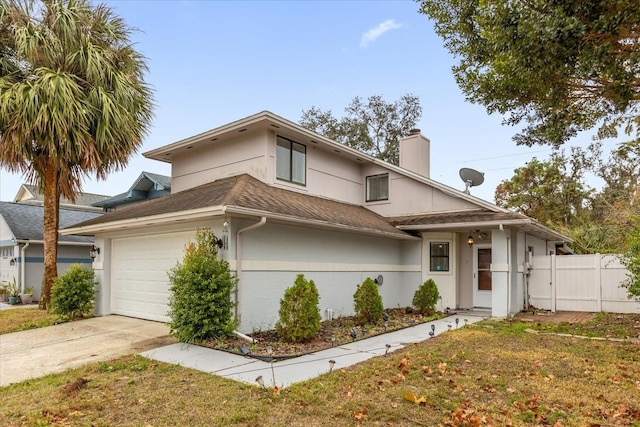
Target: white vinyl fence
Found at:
x=579, y=283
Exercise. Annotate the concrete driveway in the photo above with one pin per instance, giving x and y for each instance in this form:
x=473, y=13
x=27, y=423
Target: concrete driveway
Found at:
x=38, y=352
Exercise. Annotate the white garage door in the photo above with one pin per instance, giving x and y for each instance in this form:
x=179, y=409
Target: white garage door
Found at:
x=139, y=280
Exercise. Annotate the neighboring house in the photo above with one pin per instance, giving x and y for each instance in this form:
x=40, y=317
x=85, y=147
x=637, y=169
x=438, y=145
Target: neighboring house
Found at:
x=21, y=243
x=29, y=194
x=146, y=187
x=285, y=200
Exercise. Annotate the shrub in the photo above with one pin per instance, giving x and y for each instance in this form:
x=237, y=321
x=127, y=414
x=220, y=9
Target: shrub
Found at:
x=368, y=303
x=73, y=292
x=299, y=314
x=631, y=260
x=200, y=305
x=426, y=297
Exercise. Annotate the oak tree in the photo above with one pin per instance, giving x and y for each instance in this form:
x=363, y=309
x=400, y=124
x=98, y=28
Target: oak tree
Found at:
x=373, y=126
x=560, y=67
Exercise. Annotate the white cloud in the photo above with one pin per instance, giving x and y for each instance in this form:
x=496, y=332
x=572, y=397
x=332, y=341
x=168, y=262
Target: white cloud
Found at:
x=379, y=30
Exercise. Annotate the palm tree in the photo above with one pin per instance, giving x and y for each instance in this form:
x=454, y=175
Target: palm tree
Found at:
x=74, y=101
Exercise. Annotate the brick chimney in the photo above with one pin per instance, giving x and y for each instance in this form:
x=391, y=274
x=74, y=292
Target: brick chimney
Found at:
x=414, y=153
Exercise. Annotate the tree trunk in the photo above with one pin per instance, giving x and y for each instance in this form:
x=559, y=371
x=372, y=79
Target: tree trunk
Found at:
x=50, y=232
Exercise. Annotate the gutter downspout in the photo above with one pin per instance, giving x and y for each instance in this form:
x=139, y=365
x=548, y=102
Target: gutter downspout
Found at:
x=263, y=221
x=23, y=263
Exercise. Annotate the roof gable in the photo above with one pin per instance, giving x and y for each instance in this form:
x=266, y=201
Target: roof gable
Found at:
x=30, y=194
x=147, y=186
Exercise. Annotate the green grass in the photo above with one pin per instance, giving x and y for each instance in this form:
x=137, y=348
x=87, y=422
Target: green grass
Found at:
x=22, y=319
x=473, y=376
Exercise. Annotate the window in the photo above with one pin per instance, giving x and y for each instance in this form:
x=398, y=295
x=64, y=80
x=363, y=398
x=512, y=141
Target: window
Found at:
x=439, y=254
x=291, y=161
x=378, y=187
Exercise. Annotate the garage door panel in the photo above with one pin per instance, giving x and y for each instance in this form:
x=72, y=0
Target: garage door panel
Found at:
x=140, y=283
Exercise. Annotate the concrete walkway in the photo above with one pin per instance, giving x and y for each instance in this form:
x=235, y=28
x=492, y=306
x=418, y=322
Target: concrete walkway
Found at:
x=286, y=372
x=38, y=352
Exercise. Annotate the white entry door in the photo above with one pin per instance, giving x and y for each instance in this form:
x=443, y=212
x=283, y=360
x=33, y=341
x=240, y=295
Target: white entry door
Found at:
x=482, y=276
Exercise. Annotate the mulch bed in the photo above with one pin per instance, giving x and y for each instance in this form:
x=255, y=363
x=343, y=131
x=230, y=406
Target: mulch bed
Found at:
x=333, y=333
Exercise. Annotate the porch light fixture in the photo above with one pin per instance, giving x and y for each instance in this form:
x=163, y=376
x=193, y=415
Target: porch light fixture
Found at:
x=94, y=252
x=470, y=240
x=218, y=242
x=12, y=262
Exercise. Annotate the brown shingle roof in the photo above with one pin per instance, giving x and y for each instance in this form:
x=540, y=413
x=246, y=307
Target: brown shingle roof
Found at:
x=456, y=218
x=246, y=192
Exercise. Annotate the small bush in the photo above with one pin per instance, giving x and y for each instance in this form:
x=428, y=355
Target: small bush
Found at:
x=368, y=303
x=73, y=292
x=299, y=314
x=426, y=297
x=631, y=260
x=200, y=305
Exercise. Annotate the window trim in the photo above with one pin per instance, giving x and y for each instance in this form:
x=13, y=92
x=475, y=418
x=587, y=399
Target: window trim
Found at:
x=366, y=190
x=291, y=150
x=447, y=256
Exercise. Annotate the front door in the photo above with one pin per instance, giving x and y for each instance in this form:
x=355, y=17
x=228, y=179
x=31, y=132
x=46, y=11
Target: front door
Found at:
x=482, y=276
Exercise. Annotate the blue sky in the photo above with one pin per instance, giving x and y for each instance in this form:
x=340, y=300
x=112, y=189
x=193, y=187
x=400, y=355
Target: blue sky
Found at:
x=212, y=62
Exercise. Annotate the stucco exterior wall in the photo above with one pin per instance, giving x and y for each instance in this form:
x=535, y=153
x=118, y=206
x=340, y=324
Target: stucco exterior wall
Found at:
x=273, y=255
x=246, y=153
x=407, y=196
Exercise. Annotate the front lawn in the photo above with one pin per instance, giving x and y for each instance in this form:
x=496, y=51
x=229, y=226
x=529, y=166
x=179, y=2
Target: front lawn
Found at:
x=21, y=319
x=478, y=375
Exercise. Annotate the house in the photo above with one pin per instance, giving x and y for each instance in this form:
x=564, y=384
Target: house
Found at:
x=284, y=200
x=146, y=187
x=29, y=194
x=21, y=243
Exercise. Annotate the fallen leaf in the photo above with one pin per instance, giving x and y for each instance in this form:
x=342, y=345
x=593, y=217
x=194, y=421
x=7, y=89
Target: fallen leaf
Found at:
x=398, y=378
x=276, y=390
x=361, y=415
x=412, y=398
x=443, y=367
x=427, y=370
x=403, y=364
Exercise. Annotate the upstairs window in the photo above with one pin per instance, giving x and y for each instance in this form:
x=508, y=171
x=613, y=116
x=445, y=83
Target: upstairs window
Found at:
x=439, y=256
x=378, y=187
x=291, y=161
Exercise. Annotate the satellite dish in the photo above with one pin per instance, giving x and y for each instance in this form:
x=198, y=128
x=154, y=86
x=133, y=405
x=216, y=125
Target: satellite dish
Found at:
x=471, y=178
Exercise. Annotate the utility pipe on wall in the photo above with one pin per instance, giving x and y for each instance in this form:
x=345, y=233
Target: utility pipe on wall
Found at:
x=263, y=221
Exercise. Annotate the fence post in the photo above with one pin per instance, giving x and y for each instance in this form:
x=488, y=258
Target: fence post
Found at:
x=598, y=259
x=553, y=283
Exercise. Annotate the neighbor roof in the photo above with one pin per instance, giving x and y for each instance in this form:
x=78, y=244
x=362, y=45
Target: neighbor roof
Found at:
x=82, y=199
x=26, y=221
x=246, y=195
x=145, y=183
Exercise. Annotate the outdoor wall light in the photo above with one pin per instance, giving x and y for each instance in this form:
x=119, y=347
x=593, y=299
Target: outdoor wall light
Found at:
x=218, y=242
x=94, y=252
x=470, y=240
x=12, y=262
